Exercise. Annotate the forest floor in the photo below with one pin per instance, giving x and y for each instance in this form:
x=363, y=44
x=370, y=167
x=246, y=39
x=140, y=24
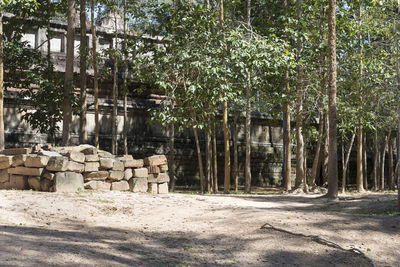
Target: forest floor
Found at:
x=126, y=229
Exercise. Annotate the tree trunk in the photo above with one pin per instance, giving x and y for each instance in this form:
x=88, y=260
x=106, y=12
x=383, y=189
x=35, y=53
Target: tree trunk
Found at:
x=365, y=169
x=325, y=155
x=69, y=74
x=288, y=150
x=235, y=168
x=385, y=145
x=346, y=162
x=376, y=161
x=391, y=174
x=360, y=186
x=208, y=160
x=200, y=161
x=95, y=75
x=215, y=169
x=83, y=62
x=227, y=163
x=171, y=157
x=114, y=144
x=300, y=171
x=332, y=162
x=247, y=129
x=2, y=139
x=125, y=86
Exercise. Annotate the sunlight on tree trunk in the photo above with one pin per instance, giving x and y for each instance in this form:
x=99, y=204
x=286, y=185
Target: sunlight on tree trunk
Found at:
x=95, y=75
x=2, y=139
x=199, y=159
x=82, y=65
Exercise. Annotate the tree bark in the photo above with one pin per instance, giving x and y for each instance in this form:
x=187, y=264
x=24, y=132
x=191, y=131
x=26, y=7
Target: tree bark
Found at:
x=2, y=139
x=385, y=145
x=215, y=169
x=227, y=163
x=365, y=169
x=114, y=144
x=95, y=75
x=346, y=162
x=69, y=74
x=83, y=59
x=125, y=83
x=391, y=174
x=376, y=161
x=325, y=155
x=235, y=168
x=171, y=157
x=300, y=171
x=360, y=186
x=247, y=129
x=287, y=131
x=208, y=160
x=316, y=163
x=200, y=161
x=332, y=162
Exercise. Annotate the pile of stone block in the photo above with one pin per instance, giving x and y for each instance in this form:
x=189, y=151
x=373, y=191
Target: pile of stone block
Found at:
x=70, y=169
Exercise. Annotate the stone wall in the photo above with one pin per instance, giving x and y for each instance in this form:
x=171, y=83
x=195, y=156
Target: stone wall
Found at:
x=70, y=169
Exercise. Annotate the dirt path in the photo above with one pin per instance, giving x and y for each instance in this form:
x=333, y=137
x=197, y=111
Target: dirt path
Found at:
x=125, y=229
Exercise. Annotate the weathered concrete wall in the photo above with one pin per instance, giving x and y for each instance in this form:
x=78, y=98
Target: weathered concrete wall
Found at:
x=147, y=138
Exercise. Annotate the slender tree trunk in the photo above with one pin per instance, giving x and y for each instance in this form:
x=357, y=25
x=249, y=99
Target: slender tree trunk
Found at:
x=171, y=157
x=376, y=161
x=325, y=155
x=287, y=133
x=247, y=129
x=208, y=160
x=114, y=145
x=360, y=186
x=332, y=163
x=385, y=145
x=69, y=74
x=365, y=169
x=235, y=168
x=95, y=75
x=316, y=163
x=391, y=174
x=83, y=59
x=200, y=161
x=215, y=169
x=125, y=130
x=346, y=162
x=300, y=171
x=227, y=182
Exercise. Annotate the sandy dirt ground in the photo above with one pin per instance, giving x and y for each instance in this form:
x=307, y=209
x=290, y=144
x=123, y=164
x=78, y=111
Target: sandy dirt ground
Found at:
x=126, y=229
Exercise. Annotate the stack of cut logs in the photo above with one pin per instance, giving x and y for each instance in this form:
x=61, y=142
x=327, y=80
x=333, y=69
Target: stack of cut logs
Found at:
x=70, y=169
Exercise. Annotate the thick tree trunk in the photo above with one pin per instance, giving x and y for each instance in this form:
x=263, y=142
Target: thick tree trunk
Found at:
x=346, y=161
x=171, y=157
x=114, y=144
x=360, y=186
x=332, y=163
x=83, y=62
x=247, y=129
x=2, y=139
x=200, y=161
x=69, y=74
x=300, y=171
x=208, y=160
x=365, y=169
x=215, y=162
x=235, y=167
x=95, y=75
